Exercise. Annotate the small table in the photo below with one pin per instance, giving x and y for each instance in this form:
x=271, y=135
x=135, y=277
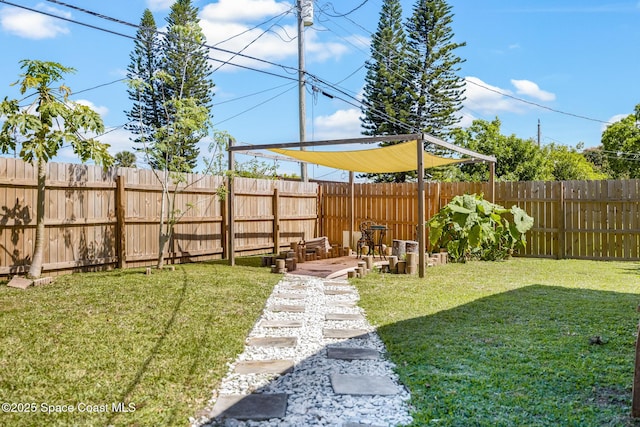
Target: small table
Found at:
x=377, y=234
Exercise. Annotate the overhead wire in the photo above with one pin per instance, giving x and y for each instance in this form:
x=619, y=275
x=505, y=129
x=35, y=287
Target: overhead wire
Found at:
x=293, y=70
x=281, y=15
x=283, y=67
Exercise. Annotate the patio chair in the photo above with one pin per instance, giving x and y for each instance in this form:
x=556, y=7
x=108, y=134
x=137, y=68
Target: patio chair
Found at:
x=366, y=238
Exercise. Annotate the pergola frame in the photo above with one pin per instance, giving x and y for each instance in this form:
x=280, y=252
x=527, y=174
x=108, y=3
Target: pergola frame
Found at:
x=421, y=137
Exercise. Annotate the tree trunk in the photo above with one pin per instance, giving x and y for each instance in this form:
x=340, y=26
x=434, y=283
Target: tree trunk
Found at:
x=162, y=236
x=38, y=248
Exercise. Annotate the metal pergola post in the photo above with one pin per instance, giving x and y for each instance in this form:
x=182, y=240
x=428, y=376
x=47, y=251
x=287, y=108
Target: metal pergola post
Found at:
x=421, y=138
x=421, y=243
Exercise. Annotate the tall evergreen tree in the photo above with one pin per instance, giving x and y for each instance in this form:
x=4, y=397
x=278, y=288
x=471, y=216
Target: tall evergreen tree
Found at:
x=387, y=106
x=439, y=91
x=187, y=73
x=146, y=114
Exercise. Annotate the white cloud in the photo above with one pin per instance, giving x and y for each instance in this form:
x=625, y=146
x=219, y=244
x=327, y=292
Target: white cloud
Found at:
x=252, y=42
x=612, y=120
x=32, y=25
x=529, y=88
x=119, y=140
x=229, y=25
x=103, y=111
x=341, y=124
x=242, y=10
x=466, y=119
x=322, y=51
x=486, y=99
x=156, y=5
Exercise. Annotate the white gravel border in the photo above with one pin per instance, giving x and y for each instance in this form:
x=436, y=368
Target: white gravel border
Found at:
x=312, y=401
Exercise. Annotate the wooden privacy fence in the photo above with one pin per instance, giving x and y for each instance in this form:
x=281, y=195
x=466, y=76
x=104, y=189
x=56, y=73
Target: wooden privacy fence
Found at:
x=97, y=219
x=573, y=219
x=102, y=219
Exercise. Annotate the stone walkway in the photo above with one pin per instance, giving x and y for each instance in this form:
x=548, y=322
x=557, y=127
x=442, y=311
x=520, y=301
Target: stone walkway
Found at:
x=312, y=359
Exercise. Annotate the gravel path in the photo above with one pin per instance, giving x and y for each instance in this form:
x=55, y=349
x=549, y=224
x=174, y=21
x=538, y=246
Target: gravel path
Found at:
x=309, y=388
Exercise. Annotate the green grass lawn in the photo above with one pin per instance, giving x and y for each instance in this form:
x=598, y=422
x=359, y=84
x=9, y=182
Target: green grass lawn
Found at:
x=509, y=343
x=160, y=343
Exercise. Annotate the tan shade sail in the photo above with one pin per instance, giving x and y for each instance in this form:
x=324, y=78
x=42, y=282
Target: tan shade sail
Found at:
x=394, y=158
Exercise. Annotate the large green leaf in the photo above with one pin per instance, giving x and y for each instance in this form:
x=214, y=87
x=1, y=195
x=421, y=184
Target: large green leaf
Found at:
x=475, y=235
x=459, y=209
x=522, y=221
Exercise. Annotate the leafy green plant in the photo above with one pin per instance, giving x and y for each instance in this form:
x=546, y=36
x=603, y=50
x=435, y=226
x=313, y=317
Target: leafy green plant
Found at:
x=470, y=227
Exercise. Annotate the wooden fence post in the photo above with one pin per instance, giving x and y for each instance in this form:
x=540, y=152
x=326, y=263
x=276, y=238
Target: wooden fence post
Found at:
x=121, y=225
x=562, y=237
x=635, y=393
x=276, y=221
x=224, y=242
x=319, y=212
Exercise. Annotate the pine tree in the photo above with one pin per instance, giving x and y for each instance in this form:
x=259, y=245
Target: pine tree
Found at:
x=187, y=74
x=387, y=90
x=439, y=91
x=146, y=114
x=387, y=102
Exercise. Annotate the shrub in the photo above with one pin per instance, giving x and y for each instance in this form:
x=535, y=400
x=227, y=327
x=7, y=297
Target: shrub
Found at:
x=470, y=227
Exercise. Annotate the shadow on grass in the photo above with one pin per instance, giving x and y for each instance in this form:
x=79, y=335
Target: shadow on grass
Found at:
x=539, y=355
x=249, y=261
x=144, y=367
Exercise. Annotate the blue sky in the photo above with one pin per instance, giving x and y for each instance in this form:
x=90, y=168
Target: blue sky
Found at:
x=573, y=65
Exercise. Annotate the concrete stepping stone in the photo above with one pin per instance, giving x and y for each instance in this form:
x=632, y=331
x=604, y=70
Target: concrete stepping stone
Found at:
x=287, y=308
x=281, y=324
x=339, y=292
x=265, y=367
x=272, y=342
x=343, y=304
x=293, y=287
x=360, y=425
x=285, y=295
x=338, y=284
x=363, y=385
x=257, y=407
x=344, y=353
x=343, y=316
x=344, y=333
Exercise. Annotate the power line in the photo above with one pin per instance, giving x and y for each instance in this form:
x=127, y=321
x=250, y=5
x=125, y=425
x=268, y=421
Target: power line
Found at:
x=536, y=104
x=477, y=84
x=342, y=15
x=257, y=26
x=159, y=32
x=255, y=106
x=129, y=24
x=250, y=95
x=284, y=67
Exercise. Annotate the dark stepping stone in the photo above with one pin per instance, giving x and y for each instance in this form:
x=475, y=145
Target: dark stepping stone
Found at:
x=265, y=367
x=343, y=316
x=369, y=385
x=288, y=308
x=352, y=353
x=281, y=324
x=338, y=292
x=257, y=407
x=285, y=295
x=344, y=333
x=273, y=342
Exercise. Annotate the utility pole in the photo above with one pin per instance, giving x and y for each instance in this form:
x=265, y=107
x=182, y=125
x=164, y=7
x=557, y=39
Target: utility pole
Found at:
x=539, y=133
x=305, y=19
